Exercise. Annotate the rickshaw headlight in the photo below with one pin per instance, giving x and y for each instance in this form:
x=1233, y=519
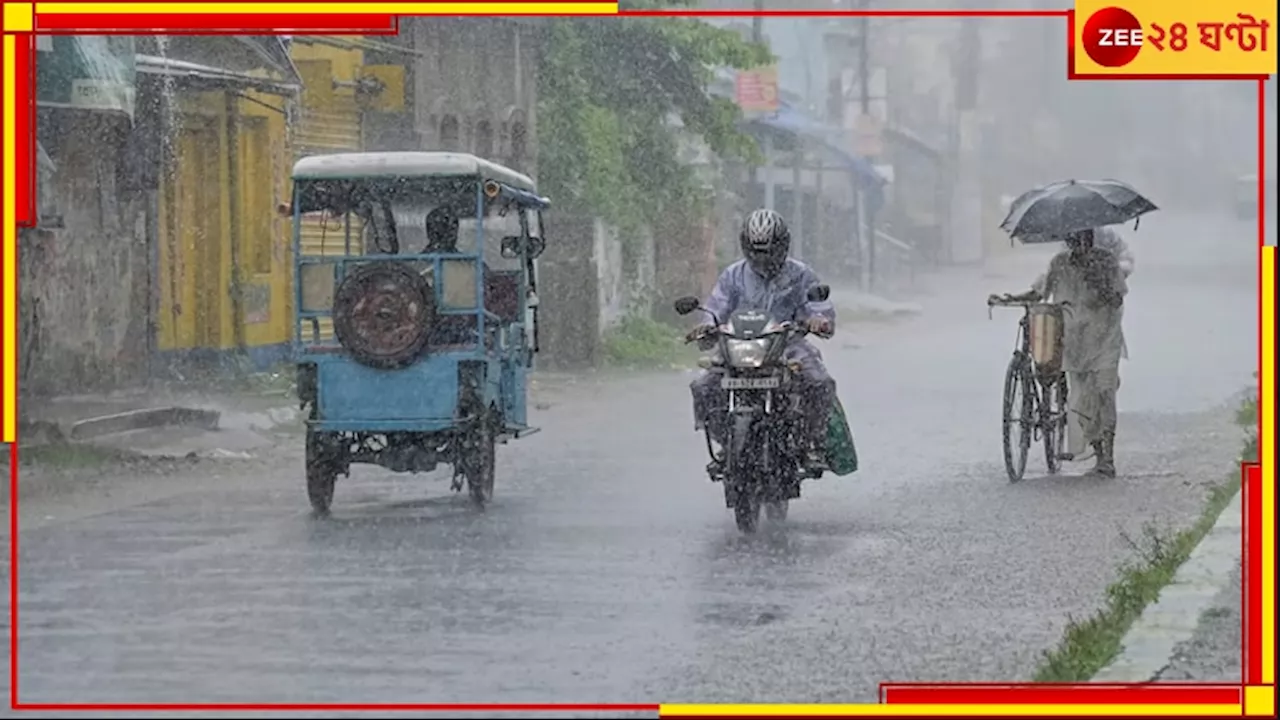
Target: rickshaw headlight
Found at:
x=747, y=353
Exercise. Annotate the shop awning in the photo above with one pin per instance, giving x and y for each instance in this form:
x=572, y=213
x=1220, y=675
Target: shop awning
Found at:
x=910, y=139
x=195, y=76
x=87, y=72
x=47, y=215
x=355, y=42
x=791, y=121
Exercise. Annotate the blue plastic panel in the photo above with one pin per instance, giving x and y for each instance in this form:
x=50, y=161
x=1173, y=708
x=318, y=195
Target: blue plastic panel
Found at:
x=349, y=392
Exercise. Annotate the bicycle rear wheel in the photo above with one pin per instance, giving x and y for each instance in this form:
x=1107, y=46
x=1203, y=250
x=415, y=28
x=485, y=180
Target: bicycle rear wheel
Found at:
x=1054, y=425
x=1019, y=416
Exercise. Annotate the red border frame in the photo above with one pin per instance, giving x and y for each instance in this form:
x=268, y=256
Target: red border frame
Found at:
x=890, y=693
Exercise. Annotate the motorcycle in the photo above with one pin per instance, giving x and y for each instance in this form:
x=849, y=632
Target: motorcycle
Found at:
x=761, y=462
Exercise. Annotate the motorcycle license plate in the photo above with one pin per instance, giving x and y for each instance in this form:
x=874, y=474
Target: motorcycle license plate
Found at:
x=749, y=383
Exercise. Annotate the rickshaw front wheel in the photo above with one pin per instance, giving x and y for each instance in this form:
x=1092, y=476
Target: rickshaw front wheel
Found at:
x=322, y=473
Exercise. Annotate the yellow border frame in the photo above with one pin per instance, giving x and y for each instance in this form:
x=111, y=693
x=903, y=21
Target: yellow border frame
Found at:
x=1258, y=700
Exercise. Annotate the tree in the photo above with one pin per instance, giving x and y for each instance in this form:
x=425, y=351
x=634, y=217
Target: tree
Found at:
x=608, y=88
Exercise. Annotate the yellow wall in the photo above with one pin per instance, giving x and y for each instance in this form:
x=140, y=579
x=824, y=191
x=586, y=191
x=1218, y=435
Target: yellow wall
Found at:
x=328, y=122
x=196, y=275
x=265, y=237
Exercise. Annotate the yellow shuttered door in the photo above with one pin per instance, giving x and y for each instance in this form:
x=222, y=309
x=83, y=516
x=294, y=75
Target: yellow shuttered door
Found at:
x=329, y=122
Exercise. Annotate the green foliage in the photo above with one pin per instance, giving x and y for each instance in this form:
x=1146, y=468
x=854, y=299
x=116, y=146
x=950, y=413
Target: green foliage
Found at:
x=640, y=342
x=1247, y=417
x=607, y=88
x=71, y=456
x=1089, y=645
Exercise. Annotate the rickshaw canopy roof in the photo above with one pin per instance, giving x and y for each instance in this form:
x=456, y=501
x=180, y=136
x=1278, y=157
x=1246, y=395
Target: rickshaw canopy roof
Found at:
x=352, y=166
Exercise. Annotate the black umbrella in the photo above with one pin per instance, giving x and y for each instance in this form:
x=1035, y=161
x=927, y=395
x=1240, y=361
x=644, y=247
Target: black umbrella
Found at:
x=1049, y=212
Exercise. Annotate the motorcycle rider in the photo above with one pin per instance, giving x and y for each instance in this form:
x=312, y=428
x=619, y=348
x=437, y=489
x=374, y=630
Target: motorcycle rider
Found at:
x=767, y=280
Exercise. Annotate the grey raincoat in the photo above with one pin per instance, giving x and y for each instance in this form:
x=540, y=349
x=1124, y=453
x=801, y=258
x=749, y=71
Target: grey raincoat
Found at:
x=1093, y=338
x=784, y=297
x=1108, y=239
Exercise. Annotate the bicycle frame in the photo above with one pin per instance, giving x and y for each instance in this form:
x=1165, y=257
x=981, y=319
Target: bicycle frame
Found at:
x=1044, y=381
x=1042, y=416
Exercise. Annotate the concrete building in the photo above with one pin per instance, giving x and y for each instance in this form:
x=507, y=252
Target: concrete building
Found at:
x=148, y=141
x=827, y=166
x=167, y=157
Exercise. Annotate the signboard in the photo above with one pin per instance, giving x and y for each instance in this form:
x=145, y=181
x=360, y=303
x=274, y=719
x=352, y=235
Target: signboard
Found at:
x=868, y=136
x=1173, y=39
x=87, y=72
x=757, y=90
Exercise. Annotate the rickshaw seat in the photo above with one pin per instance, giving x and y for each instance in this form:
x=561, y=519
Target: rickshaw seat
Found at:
x=502, y=294
x=501, y=291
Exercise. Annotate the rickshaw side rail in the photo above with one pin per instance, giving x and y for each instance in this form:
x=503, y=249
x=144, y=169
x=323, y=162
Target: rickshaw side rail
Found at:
x=383, y=257
x=385, y=426
x=336, y=353
x=451, y=312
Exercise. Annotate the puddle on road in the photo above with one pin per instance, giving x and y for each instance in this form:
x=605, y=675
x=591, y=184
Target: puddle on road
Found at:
x=742, y=615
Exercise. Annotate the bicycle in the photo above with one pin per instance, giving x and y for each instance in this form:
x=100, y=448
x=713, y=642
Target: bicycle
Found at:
x=1035, y=386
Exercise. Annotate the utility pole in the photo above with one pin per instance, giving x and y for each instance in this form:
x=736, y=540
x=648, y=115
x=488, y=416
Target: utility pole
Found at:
x=754, y=174
x=967, y=245
x=867, y=212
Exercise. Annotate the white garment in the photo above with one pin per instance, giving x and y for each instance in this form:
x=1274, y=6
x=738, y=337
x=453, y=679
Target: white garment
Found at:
x=1092, y=342
x=1093, y=336
x=1110, y=240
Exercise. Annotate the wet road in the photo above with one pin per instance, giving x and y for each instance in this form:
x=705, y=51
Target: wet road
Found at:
x=609, y=570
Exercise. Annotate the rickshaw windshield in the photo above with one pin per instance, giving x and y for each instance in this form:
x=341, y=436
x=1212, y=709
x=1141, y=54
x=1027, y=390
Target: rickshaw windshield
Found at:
x=396, y=215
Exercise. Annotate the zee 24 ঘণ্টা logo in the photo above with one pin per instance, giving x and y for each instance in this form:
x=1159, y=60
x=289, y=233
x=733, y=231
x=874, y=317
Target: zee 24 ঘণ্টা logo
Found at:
x=1112, y=37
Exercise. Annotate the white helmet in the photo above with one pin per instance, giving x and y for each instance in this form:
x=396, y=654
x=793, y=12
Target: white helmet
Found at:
x=766, y=241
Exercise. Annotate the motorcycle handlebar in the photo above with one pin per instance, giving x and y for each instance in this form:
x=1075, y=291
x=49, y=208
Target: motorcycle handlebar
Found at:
x=798, y=329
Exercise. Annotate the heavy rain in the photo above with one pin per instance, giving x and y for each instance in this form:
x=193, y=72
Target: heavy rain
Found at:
x=252, y=471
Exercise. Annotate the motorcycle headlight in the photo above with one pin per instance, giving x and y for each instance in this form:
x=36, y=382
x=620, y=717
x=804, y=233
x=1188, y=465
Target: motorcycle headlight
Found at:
x=747, y=353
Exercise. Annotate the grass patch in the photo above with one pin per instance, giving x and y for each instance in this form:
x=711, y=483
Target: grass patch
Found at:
x=1090, y=645
x=643, y=343
x=71, y=456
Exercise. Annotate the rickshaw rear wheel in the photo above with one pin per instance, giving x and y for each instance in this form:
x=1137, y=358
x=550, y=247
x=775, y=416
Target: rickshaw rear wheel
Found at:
x=322, y=473
x=479, y=460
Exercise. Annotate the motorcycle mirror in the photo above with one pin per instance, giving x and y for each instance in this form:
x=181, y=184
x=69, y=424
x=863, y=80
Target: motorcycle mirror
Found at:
x=819, y=293
x=686, y=305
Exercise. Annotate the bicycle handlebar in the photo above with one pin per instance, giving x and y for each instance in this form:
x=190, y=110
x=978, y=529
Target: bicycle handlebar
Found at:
x=1008, y=301
x=1024, y=303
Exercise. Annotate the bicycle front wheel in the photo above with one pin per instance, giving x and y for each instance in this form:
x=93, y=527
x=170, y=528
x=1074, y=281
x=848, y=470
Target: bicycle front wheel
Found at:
x=1019, y=416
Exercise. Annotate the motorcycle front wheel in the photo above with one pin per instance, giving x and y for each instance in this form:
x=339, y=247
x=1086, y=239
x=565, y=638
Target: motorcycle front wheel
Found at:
x=746, y=512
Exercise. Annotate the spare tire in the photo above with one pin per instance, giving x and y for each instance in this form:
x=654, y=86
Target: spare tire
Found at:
x=383, y=313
